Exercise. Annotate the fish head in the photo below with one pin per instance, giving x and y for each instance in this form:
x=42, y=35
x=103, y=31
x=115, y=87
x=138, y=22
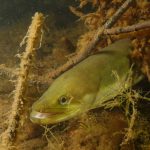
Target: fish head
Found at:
x=65, y=98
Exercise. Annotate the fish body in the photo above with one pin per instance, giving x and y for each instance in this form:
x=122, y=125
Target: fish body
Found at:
x=85, y=86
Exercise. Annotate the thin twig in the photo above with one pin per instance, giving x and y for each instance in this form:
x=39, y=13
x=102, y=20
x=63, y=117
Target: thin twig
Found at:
x=88, y=48
x=132, y=28
x=130, y=132
x=118, y=14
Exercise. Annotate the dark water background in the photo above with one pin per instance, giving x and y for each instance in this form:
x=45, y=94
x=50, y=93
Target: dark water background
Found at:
x=14, y=10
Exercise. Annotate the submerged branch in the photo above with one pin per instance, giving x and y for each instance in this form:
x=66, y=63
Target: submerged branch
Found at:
x=132, y=28
x=89, y=47
x=129, y=136
x=32, y=41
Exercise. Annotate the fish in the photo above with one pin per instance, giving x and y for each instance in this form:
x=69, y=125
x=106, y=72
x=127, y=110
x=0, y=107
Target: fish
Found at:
x=86, y=86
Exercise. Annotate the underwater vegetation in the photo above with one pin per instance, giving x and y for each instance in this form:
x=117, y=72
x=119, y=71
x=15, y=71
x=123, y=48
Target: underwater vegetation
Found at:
x=93, y=82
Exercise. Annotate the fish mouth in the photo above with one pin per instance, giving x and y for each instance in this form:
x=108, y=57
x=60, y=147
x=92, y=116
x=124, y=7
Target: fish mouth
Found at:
x=52, y=117
x=40, y=115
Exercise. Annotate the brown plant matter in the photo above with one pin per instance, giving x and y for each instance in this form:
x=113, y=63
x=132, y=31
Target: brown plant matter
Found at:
x=32, y=41
x=132, y=28
x=95, y=39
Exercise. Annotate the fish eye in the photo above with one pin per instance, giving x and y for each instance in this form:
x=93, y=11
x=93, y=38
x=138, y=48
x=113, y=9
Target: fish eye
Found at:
x=64, y=100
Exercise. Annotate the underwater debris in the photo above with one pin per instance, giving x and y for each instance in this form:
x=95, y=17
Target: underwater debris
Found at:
x=118, y=30
x=128, y=100
x=131, y=24
x=32, y=40
x=91, y=44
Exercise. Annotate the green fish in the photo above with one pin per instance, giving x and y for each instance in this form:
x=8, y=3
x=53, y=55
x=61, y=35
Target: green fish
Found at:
x=87, y=85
